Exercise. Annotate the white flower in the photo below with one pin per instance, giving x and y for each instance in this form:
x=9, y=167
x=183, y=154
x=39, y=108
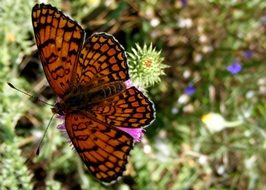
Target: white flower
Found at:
x=203, y=160
x=155, y=22
x=215, y=122
x=183, y=99
x=147, y=149
x=187, y=74
x=250, y=162
x=221, y=170
x=185, y=23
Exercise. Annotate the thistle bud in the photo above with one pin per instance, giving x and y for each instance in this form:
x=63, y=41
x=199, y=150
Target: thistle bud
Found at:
x=145, y=66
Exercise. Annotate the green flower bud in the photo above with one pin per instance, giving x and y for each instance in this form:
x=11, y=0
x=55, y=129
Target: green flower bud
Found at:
x=145, y=66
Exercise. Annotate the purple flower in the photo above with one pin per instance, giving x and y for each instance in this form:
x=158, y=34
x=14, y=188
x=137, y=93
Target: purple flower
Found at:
x=184, y=2
x=263, y=20
x=235, y=67
x=62, y=127
x=248, y=54
x=136, y=133
x=190, y=90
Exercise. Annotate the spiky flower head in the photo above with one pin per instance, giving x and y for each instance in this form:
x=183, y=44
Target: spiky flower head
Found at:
x=145, y=66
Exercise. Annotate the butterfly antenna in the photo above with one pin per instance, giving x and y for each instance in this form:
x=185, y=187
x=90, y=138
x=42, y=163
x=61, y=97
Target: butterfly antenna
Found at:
x=37, y=150
x=44, y=134
x=30, y=95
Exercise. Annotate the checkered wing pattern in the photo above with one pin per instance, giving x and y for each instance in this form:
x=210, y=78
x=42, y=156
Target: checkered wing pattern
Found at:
x=59, y=40
x=102, y=60
x=131, y=109
x=103, y=149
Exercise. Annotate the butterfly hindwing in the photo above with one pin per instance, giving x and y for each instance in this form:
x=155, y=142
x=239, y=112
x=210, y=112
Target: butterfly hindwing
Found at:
x=59, y=40
x=130, y=108
x=103, y=149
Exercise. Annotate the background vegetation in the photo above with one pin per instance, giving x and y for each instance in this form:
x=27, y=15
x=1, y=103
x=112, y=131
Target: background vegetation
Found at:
x=210, y=130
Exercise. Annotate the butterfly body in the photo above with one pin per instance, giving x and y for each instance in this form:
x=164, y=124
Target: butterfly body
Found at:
x=103, y=116
x=81, y=98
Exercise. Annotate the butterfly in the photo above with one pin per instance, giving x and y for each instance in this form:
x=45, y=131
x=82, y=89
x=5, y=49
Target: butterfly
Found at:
x=104, y=114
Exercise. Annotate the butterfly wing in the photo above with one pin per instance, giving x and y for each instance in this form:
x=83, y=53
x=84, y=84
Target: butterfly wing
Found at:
x=59, y=40
x=130, y=108
x=103, y=149
x=102, y=60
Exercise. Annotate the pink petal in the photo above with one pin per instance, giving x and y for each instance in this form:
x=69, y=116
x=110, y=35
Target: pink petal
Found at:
x=136, y=133
x=128, y=83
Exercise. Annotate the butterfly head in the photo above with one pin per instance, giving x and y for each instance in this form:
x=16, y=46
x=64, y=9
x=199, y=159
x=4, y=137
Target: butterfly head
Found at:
x=59, y=108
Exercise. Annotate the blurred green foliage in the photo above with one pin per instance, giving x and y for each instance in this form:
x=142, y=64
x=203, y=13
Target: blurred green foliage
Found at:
x=210, y=130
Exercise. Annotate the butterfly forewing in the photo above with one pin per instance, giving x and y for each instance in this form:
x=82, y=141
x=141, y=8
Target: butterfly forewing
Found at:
x=102, y=60
x=103, y=149
x=59, y=40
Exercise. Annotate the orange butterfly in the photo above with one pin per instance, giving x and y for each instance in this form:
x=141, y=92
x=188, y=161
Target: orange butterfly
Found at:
x=104, y=114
